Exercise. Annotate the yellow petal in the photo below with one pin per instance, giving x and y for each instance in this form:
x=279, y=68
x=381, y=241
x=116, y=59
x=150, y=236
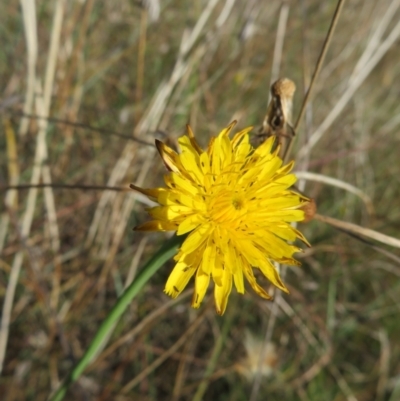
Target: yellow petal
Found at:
x=189, y=224
x=238, y=280
x=222, y=154
x=170, y=158
x=270, y=272
x=210, y=146
x=177, y=198
x=191, y=163
x=266, y=147
x=248, y=272
x=156, y=225
x=169, y=213
x=272, y=244
x=239, y=136
x=228, y=129
x=285, y=231
x=221, y=292
x=250, y=253
x=201, y=285
x=152, y=193
x=190, y=259
x=195, y=239
x=193, y=141
x=183, y=184
x=205, y=163
x=209, y=254
x=178, y=279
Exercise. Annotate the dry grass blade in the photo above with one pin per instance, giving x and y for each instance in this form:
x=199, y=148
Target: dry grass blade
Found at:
x=40, y=156
x=324, y=351
x=150, y=120
x=375, y=40
x=11, y=198
x=139, y=327
x=148, y=123
x=30, y=26
x=280, y=36
x=384, y=365
x=193, y=326
x=306, y=175
x=351, y=88
x=267, y=339
x=362, y=231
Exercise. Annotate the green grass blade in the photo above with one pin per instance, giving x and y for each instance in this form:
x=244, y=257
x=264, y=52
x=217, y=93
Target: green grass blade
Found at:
x=166, y=252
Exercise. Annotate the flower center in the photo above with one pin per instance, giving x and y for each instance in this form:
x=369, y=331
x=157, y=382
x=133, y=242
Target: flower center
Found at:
x=237, y=202
x=226, y=208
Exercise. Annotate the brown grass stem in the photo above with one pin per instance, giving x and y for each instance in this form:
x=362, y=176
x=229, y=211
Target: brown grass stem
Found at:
x=317, y=70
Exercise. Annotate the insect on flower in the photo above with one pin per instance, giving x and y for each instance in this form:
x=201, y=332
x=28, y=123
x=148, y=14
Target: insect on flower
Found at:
x=236, y=205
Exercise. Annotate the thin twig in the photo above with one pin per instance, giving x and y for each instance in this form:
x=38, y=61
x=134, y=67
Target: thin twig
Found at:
x=53, y=185
x=77, y=124
x=350, y=90
x=317, y=70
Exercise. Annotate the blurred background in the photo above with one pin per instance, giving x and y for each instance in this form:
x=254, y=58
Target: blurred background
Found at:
x=86, y=87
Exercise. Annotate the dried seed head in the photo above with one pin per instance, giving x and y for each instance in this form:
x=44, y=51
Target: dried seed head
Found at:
x=309, y=208
x=283, y=87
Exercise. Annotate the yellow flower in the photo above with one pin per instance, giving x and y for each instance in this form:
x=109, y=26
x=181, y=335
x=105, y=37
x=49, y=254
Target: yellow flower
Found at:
x=235, y=202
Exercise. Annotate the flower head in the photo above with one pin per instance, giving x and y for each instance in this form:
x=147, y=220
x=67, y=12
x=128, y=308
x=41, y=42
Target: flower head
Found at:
x=236, y=205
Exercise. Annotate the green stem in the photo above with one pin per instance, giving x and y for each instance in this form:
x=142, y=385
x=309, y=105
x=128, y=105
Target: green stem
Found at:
x=166, y=252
